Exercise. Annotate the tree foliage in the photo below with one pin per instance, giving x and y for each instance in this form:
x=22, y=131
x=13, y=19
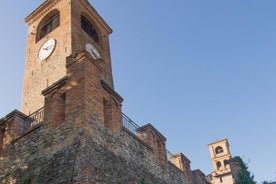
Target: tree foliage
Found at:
x=269, y=182
x=243, y=176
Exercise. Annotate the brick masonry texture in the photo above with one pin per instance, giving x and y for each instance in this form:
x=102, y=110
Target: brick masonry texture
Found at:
x=80, y=139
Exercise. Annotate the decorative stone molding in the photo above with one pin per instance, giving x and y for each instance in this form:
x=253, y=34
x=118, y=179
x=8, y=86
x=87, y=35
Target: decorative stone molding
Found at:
x=40, y=11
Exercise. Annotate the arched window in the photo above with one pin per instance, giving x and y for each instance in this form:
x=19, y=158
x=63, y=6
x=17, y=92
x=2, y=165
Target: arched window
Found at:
x=89, y=28
x=219, y=150
x=48, y=24
x=219, y=167
x=226, y=163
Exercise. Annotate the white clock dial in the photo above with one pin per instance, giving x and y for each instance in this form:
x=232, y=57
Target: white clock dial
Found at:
x=46, y=49
x=92, y=51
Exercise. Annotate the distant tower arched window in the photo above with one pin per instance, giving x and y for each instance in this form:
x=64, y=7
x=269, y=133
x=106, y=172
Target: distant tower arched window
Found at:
x=219, y=166
x=219, y=150
x=226, y=163
x=48, y=24
x=87, y=26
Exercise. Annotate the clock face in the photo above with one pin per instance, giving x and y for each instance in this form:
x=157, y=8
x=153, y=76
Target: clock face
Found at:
x=46, y=49
x=92, y=51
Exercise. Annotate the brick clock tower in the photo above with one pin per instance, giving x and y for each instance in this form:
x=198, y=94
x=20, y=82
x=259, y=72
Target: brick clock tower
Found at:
x=57, y=30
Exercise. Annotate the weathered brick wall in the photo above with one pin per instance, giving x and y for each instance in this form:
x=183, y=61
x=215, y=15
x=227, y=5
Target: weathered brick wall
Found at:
x=183, y=163
x=68, y=154
x=140, y=160
x=38, y=74
x=155, y=140
x=43, y=155
x=199, y=177
x=1, y=139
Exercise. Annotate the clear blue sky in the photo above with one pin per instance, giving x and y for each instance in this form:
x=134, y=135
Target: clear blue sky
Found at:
x=197, y=70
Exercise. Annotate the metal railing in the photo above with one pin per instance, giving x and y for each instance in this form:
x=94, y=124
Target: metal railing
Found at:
x=35, y=118
x=129, y=124
x=169, y=155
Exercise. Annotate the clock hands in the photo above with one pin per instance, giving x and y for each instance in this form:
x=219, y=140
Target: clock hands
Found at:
x=94, y=54
x=48, y=48
x=92, y=51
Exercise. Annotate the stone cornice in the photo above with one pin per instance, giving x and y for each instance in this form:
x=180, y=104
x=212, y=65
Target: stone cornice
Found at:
x=54, y=86
x=40, y=11
x=111, y=91
x=11, y=115
x=49, y=4
x=150, y=126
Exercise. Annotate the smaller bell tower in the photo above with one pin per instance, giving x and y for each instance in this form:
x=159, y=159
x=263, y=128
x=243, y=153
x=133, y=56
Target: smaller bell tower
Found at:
x=221, y=156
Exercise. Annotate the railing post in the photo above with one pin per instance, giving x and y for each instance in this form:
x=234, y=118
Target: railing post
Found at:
x=129, y=124
x=35, y=119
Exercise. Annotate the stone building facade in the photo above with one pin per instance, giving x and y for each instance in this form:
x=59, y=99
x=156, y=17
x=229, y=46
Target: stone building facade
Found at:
x=71, y=128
